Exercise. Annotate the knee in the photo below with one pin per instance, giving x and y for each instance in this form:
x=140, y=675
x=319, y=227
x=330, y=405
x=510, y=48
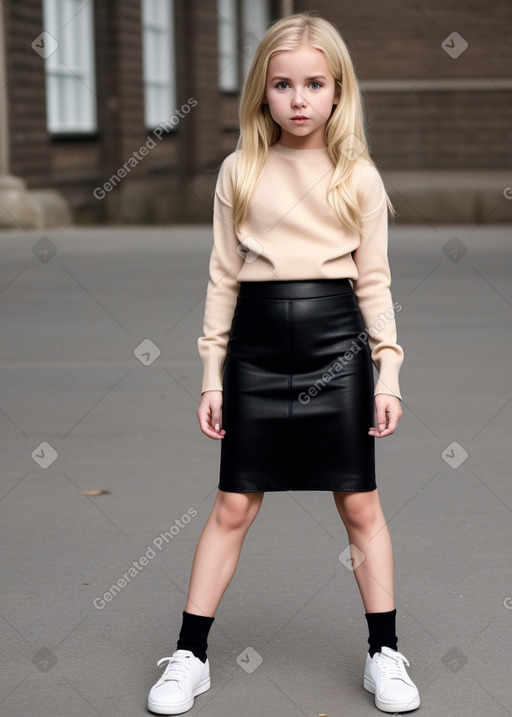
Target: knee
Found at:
x=361, y=512
x=236, y=511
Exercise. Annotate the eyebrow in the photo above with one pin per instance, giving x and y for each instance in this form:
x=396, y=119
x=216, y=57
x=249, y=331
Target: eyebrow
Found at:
x=313, y=77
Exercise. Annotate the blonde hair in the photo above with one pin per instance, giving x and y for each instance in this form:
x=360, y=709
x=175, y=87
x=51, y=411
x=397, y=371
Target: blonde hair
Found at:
x=258, y=130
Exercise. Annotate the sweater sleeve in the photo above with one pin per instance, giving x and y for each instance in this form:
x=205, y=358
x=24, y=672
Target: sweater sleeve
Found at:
x=372, y=287
x=222, y=289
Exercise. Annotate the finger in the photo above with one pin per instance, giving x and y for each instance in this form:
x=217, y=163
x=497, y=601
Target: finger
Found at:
x=208, y=421
x=392, y=423
x=382, y=416
x=217, y=417
x=389, y=429
x=211, y=432
x=380, y=434
x=376, y=432
x=216, y=420
x=204, y=417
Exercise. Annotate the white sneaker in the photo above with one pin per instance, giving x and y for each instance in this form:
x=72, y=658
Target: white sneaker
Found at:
x=385, y=676
x=185, y=677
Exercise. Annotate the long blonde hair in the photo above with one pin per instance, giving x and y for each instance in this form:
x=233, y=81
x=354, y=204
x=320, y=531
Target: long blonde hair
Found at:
x=346, y=124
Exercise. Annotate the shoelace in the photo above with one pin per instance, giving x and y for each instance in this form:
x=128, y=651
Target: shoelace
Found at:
x=176, y=668
x=392, y=666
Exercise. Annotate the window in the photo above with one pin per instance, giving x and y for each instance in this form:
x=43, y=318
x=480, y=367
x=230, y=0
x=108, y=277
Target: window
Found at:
x=255, y=17
x=241, y=25
x=69, y=68
x=228, y=55
x=158, y=59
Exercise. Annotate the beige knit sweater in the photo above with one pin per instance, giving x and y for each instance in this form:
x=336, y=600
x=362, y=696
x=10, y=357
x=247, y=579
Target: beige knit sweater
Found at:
x=291, y=232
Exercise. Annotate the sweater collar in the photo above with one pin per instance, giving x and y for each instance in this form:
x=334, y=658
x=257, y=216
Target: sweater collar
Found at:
x=303, y=154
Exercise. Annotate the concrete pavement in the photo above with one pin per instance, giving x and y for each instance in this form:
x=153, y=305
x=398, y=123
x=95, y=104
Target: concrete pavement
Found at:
x=100, y=384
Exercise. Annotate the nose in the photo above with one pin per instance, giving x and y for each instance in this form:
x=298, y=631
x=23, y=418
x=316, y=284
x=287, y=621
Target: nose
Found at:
x=298, y=100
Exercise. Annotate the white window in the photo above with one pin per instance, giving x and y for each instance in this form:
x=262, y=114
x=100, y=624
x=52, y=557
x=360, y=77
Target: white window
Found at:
x=69, y=68
x=255, y=19
x=228, y=54
x=241, y=25
x=158, y=58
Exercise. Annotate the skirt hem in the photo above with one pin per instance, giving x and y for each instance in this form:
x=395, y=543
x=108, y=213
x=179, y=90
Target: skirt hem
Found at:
x=303, y=490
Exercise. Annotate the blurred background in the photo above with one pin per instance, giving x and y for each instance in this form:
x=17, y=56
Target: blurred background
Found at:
x=121, y=112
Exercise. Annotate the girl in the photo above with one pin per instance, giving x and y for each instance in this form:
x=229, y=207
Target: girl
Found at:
x=298, y=310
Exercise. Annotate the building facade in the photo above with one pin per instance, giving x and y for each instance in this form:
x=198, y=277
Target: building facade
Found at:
x=126, y=108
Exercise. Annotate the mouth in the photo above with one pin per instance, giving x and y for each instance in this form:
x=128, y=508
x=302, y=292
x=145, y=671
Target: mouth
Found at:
x=299, y=119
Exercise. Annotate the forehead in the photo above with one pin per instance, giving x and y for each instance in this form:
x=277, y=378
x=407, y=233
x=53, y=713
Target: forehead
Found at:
x=304, y=59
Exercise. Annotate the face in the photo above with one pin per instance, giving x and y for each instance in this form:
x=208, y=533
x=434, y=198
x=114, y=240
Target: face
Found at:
x=300, y=92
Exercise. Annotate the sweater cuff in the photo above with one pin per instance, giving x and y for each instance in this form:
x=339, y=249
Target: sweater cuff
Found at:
x=212, y=372
x=387, y=381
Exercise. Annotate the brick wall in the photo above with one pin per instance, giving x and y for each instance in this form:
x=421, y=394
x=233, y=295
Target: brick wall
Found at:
x=440, y=130
x=120, y=93
x=398, y=40
x=29, y=144
x=408, y=128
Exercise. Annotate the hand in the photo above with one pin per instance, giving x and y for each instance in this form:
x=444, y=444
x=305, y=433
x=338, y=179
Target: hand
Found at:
x=389, y=412
x=209, y=414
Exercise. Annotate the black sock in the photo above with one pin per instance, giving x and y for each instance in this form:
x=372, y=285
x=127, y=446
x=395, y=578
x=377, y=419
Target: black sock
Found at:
x=381, y=626
x=194, y=634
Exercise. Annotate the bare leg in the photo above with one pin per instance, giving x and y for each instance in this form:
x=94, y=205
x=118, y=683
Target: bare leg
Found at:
x=366, y=526
x=218, y=549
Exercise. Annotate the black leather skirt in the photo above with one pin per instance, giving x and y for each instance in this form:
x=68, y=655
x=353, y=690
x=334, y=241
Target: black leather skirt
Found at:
x=297, y=390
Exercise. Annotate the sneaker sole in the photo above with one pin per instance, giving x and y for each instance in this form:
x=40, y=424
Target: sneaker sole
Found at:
x=183, y=706
x=369, y=685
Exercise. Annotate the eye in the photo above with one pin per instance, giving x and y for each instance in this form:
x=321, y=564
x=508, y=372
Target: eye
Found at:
x=281, y=82
x=318, y=84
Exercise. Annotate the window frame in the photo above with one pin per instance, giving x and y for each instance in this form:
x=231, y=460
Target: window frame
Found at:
x=239, y=31
x=70, y=72
x=159, y=73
